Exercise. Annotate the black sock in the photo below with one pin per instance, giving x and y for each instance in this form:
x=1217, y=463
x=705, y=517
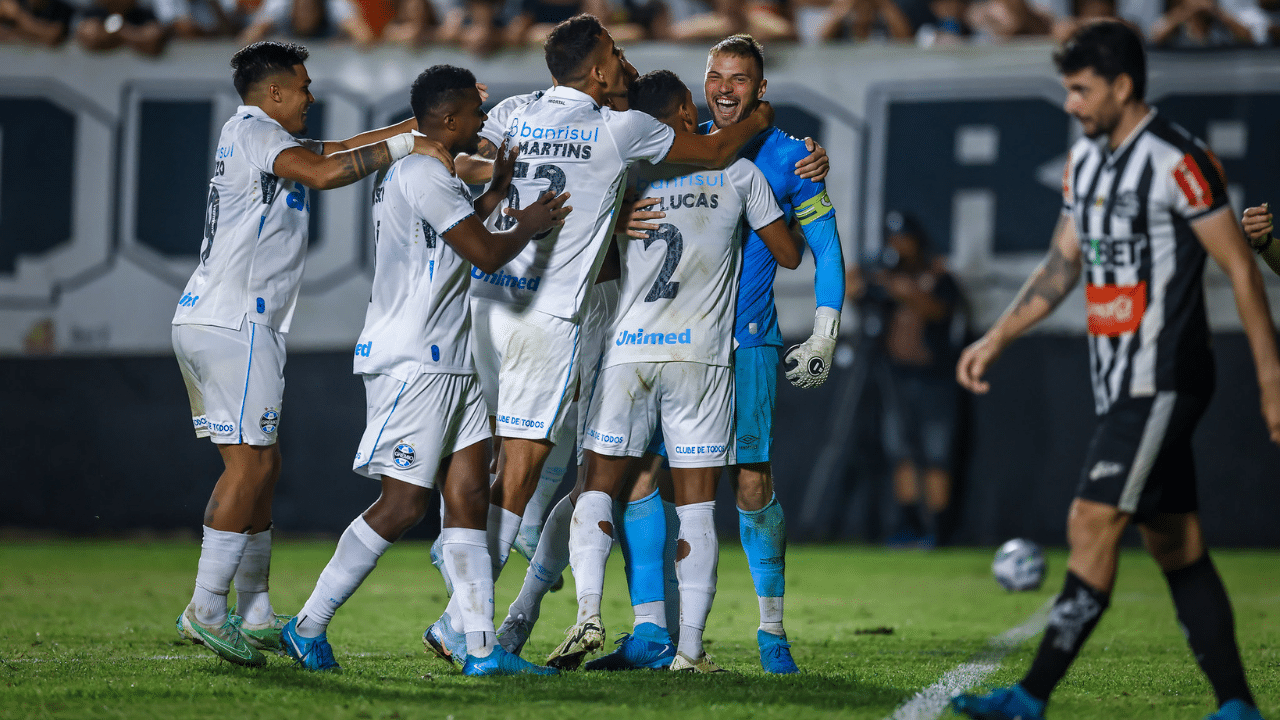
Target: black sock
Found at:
x=1204, y=611
x=1075, y=614
x=909, y=519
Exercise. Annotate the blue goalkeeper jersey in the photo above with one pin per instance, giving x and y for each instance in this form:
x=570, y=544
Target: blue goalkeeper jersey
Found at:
x=776, y=154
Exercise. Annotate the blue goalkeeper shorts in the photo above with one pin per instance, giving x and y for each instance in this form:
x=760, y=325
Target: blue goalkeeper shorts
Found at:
x=755, y=372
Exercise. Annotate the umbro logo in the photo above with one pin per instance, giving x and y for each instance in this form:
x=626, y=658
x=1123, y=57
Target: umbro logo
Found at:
x=1104, y=469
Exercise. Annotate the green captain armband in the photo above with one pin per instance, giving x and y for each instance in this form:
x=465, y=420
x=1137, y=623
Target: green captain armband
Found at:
x=816, y=207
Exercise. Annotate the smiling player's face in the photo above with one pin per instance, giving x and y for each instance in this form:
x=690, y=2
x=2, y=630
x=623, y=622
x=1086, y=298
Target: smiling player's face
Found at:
x=295, y=99
x=469, y=119
x=734, y=86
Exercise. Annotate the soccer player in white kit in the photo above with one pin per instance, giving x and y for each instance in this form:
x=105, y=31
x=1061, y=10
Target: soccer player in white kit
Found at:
x=426, y=414
x=668, y=363
x=229, y=326
x=527, y=315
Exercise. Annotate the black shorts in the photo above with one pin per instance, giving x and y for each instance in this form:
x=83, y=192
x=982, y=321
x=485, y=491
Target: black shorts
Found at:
x=1140, y=459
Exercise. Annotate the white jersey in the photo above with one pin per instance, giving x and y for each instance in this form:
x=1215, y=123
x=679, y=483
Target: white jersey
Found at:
x=568, y=143
x=255, y=232
x=680, y=285
x=419, y=320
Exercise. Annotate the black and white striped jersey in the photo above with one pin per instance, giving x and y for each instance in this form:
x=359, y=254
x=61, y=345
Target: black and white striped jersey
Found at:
x=1143, y=266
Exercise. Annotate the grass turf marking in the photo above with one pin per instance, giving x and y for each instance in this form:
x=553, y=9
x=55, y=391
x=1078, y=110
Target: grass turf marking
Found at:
x=929, y=703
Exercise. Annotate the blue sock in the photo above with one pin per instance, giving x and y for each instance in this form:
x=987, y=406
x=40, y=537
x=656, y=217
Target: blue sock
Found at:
x=764, y=539
x=643, y=538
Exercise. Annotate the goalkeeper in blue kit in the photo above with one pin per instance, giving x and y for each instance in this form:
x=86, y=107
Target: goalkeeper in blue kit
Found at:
x=734, y=85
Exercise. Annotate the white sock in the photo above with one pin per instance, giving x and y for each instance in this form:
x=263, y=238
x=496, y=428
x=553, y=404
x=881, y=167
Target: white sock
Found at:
x=503, y=525
x=651, y=612
x=220, y=554
x=553, y=471
x=252, y=602
x=466, y=554
x=550, y=560
x=697, y=573
x=355, y=557
x=669, y=565
x=589, y=545
x=771, y=615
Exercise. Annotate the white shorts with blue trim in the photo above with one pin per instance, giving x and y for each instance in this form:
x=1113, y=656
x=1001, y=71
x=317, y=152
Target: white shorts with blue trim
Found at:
x=410, y=426
x=235, y=381
x=693, y=402
x=528, y=362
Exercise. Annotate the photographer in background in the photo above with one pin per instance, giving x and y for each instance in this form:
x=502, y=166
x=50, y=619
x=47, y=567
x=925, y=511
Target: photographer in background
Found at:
x=917, y=307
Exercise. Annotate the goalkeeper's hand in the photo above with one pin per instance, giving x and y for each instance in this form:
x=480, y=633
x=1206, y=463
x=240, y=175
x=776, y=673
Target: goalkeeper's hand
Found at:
x=809, y=363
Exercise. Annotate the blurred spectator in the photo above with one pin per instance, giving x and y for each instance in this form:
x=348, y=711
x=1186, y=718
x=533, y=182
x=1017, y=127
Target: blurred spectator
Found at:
x=308, y=19
x=633, y=20
x=1263, y=21
x=200, y=18
x=109, y=24
x=766, y=20
x=1083, y=11
x=44, y=22
x=1198, y=24
x=414, y=24
x=537, y=18
x=1004, y=19
x=911, y=296
x=864, y=20
x=945, y=25
x=475, y=26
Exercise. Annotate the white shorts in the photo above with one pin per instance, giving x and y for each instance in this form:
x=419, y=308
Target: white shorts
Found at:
x=235, y=381
x=528, y=363
x=694, y=403
x=411, y=426
x=597, y=316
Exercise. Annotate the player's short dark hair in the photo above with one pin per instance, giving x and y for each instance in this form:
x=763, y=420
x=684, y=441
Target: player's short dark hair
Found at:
x=1108, y=47
x=570, y=44
x=438, y=85
x=658, y=93
x=741, y=45
x=261, y=59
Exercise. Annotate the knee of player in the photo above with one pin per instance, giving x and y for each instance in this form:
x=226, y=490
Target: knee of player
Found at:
x=1094, y=525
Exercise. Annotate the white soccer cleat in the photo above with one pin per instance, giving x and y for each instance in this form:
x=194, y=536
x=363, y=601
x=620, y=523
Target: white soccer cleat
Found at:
x=580, y=640
x=703, y=664
x=514, y=633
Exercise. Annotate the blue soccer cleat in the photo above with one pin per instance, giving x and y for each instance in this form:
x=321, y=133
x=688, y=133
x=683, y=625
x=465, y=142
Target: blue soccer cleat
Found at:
x=1236, y=710
x=311, y=653
x=775, y=654
x=1011, y=703
x=447, y=643
x=502, y=663
x=648, y=648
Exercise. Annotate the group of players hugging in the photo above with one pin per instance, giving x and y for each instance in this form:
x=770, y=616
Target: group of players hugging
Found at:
x=611, y=291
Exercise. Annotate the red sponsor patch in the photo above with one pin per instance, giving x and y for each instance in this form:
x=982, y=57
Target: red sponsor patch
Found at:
x=1192, y=183
x=1115, y=309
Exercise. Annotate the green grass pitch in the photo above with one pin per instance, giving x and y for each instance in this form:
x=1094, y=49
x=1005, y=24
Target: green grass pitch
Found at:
x=87, y=631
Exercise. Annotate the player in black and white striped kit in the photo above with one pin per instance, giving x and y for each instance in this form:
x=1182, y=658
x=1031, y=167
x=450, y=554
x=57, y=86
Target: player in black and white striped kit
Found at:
x=1144, y=205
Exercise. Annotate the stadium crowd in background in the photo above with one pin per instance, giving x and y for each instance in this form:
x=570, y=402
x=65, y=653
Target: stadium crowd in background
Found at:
x=484, y=26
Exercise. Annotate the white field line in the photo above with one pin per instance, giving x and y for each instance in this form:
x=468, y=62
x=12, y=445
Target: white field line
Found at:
x=193, y=656
x=929, y=703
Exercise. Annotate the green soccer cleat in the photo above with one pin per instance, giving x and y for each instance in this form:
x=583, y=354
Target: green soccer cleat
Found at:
x=225, y=640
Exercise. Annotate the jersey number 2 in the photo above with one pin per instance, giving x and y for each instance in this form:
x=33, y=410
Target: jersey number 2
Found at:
x=663, y=287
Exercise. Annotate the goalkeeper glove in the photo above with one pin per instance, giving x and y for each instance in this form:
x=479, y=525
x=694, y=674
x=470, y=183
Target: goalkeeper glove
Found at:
x=809, y=362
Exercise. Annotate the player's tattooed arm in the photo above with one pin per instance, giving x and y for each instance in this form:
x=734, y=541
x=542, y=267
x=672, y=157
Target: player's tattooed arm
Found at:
x=1043, y=291
x=325, y=172
x=477, y=169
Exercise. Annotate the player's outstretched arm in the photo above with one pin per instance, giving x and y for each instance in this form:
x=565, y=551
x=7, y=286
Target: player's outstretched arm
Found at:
x=1259, y=228
x=1043, y=291
x=325, y=172
x=1220, y=235
x=491, y=250
x=477, y=169
x=719, y=149
x=809, y=363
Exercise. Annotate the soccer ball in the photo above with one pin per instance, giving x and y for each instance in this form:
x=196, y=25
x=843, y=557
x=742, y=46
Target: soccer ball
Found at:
x=1019, y=565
